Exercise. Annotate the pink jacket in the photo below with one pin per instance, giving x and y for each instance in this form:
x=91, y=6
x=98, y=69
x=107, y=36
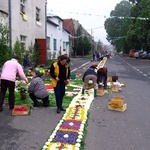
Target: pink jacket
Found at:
x=11, y=69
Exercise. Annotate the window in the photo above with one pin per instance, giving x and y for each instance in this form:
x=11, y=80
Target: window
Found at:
x=22, y=6
x=64, y=46
x=23, y=41
x=37, y=14
x=48, y=42
x=59, y=22
x=55, y=44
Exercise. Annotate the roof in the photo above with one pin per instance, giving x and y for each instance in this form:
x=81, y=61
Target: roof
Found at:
x=55, y=17
x=51, y=22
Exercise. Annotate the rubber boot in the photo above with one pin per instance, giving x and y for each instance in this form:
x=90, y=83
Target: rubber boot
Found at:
x=95, y=93
x=83, y=91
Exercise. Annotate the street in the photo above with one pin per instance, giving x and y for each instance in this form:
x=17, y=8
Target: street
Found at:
x=107, y=130
x=129, y=130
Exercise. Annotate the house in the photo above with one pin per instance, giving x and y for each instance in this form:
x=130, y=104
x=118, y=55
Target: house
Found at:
x=72, y=25
x=26, y=21
x=57, y=37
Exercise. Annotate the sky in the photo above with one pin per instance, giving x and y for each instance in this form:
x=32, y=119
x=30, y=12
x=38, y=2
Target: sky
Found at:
x=90, y=14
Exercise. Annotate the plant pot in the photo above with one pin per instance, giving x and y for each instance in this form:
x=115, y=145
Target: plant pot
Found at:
x=23, y=95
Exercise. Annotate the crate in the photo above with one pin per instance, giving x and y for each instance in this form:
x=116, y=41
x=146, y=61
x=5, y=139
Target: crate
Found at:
x=100, y=92
x=115, y=89
x=122, y=109
x=73, y=76
x=21, y=112
x=117, y=102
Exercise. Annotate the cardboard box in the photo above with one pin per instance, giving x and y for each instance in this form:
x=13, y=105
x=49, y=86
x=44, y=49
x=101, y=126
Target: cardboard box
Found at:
x=22, y=110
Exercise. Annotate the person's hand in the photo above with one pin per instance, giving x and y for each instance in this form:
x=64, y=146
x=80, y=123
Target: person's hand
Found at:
x=57, y=78
x=67, y=81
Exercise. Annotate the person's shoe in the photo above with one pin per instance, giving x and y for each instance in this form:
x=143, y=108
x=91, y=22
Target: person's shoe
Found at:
x=11, y=108
x=63, y=109
x=47, y=104
x=36, y=105
x=58, y=110
x=1, y=109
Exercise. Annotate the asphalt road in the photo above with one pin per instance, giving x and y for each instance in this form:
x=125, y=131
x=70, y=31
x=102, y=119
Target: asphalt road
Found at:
x=129, y=130
x=107, y=130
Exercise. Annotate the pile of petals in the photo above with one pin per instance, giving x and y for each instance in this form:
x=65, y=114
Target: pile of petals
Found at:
x=49, y=86
x=20, y=108
x=68, y=133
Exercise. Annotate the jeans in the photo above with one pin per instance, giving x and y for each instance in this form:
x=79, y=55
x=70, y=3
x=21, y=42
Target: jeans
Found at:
x=102, y=79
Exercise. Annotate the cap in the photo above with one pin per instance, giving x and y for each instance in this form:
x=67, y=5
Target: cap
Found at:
x=38, y=73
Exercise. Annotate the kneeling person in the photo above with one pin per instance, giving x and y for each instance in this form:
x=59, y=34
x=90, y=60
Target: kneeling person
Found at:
x=90, y=75
x=37, y=89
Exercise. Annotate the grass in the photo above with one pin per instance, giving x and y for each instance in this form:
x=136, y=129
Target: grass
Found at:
x=28, y=101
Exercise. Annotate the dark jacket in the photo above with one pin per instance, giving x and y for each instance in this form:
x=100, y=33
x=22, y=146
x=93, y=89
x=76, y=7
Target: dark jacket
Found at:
x=102, y=72
x=26, y=61
x=60, y=71
x=89, y=71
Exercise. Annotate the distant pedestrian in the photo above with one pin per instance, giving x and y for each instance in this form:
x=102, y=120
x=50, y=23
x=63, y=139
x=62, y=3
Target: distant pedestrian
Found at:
x=60, y=73
x=93, y=56
x=97, y=56
x=90, y=74
x=26, y=61
x=37, y=89
x=10, y=70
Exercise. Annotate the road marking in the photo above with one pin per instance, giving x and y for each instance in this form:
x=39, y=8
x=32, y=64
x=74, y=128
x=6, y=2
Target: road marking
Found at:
x=133, y=67
x=80, y=66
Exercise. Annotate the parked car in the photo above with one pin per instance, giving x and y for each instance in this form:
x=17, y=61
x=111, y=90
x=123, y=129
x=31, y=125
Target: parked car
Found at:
x=144, y=55
x=131, y=53
x=148, y=56
x=138, y=54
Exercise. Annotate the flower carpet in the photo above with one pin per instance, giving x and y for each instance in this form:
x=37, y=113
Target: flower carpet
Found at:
x=68, y=133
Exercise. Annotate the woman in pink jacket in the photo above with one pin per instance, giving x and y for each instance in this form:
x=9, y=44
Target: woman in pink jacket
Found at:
x=10, y=70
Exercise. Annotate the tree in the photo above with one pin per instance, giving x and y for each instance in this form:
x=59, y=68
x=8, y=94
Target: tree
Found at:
x=138, y=33
x=117, y=26
x=34, y=53
x=19, y=50
x=82, y=45
x=5, y=52
x=99, y=45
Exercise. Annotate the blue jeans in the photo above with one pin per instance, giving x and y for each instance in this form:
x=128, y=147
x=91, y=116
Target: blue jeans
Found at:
x=102, y=79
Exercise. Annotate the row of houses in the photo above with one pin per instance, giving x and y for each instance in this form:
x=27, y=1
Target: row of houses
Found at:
x=28, y=22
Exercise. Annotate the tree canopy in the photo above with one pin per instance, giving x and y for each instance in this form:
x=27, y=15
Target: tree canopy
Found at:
x=129, y=25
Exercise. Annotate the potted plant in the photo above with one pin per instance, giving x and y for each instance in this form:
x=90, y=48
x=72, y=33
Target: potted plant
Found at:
x=22, y=89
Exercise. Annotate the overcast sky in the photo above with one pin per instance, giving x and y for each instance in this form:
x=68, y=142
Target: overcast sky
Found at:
x=89, y=13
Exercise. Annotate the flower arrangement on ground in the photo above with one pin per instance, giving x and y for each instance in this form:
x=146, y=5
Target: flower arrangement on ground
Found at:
x=68, y=133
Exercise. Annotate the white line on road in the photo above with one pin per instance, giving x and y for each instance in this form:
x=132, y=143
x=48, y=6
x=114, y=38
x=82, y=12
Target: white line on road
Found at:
x=134, y=67
x=80, y=66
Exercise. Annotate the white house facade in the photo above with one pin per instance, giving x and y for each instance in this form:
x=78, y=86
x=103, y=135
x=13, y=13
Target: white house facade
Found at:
x=26, y=20
x=57, y=37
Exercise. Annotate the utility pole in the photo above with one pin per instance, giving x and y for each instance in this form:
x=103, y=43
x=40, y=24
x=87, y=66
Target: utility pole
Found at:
x=92, y=38
x=10, y=30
